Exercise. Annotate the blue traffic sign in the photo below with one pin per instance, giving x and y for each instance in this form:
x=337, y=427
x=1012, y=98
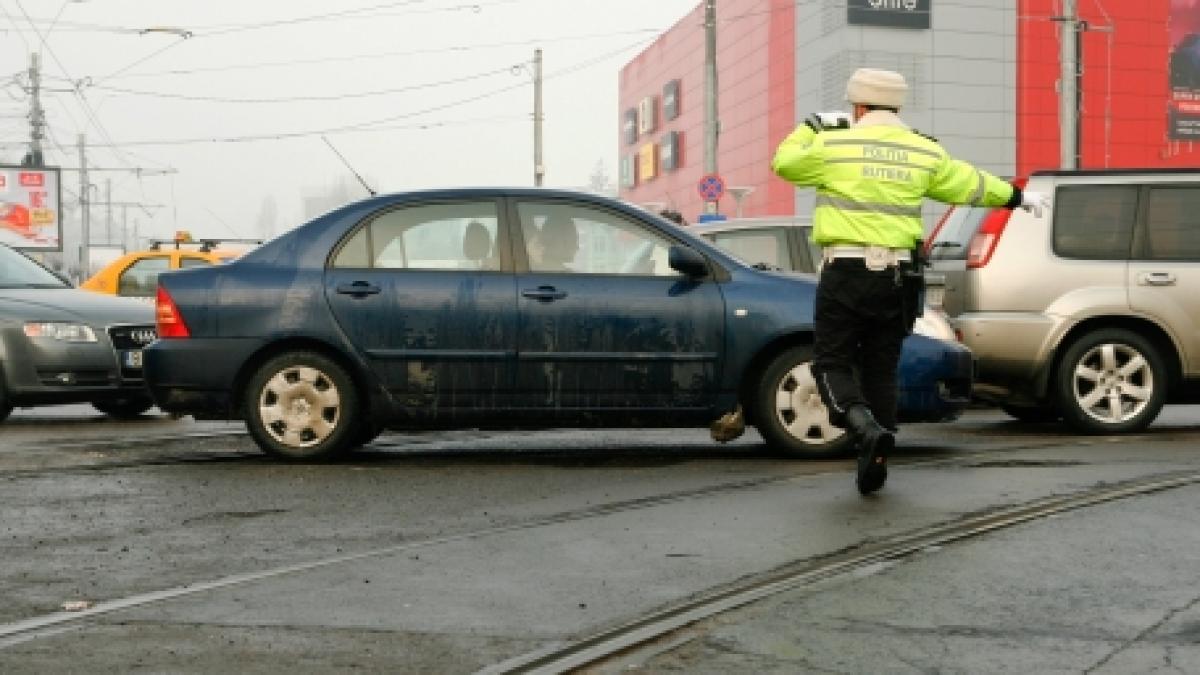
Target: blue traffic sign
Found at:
x=711, y=187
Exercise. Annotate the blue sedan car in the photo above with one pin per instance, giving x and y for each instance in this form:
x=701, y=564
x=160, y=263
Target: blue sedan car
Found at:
x=502, y=308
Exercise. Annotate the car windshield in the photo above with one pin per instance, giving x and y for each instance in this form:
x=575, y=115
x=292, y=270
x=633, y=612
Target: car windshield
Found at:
x=17, y=271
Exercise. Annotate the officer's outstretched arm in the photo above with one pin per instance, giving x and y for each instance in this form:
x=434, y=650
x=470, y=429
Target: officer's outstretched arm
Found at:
x=956, y=182
x=800, y=157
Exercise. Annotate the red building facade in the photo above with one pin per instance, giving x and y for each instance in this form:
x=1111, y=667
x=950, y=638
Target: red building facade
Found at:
x=756, y=79
x=984, y=80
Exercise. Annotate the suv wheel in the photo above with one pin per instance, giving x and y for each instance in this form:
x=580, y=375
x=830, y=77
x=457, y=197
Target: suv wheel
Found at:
x=1110, y=381
x=789, y=412
x=301, y=405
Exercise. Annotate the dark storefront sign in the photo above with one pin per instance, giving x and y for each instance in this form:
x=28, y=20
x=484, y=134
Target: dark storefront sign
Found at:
x=893, y=13
x=1184, y=72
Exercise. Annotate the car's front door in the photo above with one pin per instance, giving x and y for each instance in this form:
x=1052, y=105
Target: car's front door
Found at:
x=426, y=294
x=605, y=323
x=1164, y=272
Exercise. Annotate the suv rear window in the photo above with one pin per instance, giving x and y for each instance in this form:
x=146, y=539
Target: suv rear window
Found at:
x=954, y=236
x=1094, y=222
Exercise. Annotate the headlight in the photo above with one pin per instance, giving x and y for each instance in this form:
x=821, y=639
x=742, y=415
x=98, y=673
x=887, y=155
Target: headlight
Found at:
x=934, y=324
x=60, y=330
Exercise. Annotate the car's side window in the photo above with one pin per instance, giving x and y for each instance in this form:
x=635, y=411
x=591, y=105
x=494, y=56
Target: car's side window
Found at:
x=1170, y=224
x=458, y=236
x=1094, y=222
x=141, y=278
x=583, y=240
x=186, y=262
x=765, y=246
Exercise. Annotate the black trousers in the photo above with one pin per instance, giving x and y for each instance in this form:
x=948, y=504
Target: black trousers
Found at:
x=862, y=318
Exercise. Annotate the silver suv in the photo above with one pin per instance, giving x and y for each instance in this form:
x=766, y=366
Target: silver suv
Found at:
x=1089, y=312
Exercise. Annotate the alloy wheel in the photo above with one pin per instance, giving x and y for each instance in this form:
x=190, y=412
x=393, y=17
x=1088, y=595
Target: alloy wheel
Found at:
x=1113, y=382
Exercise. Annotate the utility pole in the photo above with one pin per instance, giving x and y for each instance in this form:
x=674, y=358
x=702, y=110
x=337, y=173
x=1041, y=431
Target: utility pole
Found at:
x=539, y=169
x=1071, y=72
x=84, y=208
x=711, y=125
x=37, y=116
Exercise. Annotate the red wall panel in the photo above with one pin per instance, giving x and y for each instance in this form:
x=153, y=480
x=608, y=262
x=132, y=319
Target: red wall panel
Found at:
x=1125, y=90
x=756, y=108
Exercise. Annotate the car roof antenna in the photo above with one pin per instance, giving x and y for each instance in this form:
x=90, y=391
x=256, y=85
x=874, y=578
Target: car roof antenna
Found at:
x=360, y=178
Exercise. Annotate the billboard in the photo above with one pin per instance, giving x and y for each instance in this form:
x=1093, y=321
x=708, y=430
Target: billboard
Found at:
x=31, y=208
x=1183, y=109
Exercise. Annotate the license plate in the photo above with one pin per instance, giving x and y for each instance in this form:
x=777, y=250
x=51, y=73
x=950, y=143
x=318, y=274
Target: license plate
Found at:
x=132, y=359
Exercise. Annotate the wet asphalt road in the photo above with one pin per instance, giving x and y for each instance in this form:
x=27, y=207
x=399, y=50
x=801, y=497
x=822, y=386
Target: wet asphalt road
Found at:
x=451, y=552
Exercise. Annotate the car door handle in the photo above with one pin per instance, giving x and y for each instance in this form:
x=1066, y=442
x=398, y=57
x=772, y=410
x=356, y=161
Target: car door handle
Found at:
x=544, y=293
x=358, y=289
x=1157, y=279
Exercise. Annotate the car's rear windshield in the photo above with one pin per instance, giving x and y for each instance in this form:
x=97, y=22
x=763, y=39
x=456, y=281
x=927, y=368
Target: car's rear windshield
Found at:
x=954, y=237
x=17, y=271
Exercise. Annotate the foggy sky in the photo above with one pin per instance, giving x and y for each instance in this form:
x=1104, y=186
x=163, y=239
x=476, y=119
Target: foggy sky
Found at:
x=236, y=96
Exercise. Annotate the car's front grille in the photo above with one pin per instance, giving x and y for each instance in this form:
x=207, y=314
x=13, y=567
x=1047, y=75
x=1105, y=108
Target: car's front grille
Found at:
x=131, y=337
x=128, y=342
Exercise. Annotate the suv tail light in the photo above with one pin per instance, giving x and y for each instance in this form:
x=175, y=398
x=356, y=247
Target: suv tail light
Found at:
x=167, y=318
x=983, y=244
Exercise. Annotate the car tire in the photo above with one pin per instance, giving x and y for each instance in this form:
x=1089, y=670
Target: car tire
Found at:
x=1032, y=414
x=1110, y=381
x=789, y=412
x=302, y=406
x=124, y=408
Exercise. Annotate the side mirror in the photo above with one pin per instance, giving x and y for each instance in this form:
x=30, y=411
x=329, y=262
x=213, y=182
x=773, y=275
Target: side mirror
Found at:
x=687, y=261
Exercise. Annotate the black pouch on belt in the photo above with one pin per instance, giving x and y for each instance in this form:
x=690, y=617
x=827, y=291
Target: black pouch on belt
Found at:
x=914, y=285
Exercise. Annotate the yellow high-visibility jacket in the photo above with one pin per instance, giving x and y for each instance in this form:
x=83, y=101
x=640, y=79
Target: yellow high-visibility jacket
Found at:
x=872, y=178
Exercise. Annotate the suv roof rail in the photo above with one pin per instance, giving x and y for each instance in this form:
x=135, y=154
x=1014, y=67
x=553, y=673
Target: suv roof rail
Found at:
x=1116, y=172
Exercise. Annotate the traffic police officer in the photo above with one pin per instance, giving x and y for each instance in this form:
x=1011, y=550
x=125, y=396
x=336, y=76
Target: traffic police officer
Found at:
x=871, y=178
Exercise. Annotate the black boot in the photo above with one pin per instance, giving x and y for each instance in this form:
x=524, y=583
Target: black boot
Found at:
x=875, y=444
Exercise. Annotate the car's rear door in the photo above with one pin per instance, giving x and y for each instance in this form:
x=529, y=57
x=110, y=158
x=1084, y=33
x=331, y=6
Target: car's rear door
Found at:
x=426, y=294
x=1164, y=272
x=605, y=323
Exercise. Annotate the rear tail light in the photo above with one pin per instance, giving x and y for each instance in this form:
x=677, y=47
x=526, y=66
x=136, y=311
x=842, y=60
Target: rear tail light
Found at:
x=983, y=244
x=167, y=317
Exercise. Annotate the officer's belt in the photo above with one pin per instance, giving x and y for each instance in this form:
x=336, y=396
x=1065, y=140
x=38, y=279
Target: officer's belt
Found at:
x=876, y=257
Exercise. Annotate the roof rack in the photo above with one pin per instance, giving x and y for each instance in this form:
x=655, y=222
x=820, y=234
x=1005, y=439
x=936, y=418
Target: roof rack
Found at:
x=205, y=245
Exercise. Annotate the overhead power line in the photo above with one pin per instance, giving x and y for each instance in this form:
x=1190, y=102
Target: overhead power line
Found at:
x=376, y=124
x=241, y=67
x=294, y=99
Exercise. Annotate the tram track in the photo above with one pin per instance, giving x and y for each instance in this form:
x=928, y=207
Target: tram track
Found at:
x=660, y=626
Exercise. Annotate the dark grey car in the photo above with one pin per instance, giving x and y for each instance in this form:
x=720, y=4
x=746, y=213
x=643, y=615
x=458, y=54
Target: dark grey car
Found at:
x=59, y=344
